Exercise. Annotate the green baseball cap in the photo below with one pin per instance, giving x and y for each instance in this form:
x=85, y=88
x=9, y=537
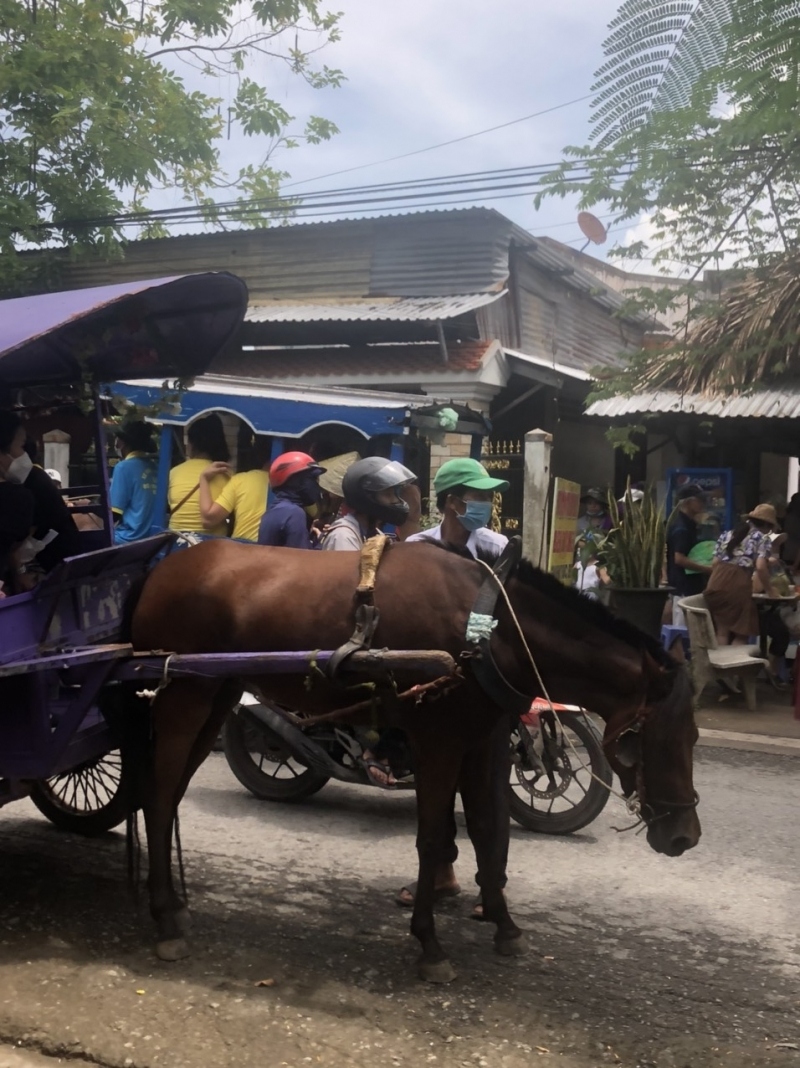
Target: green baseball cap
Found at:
x=467, y=473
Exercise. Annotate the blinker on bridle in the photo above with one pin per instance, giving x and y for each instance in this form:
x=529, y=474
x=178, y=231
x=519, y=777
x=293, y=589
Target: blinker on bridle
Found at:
x=637, y=804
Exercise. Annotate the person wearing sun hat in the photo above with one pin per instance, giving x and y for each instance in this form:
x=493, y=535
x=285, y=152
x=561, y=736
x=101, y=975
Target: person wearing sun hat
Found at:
x=740, y=554
x=465, y=492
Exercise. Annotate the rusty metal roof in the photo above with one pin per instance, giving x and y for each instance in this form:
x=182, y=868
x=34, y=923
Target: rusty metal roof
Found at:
x=401, y=363
x=370, y=309
x=763, y=404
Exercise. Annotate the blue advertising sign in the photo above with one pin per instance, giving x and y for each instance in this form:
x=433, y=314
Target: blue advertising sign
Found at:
x=717, y=486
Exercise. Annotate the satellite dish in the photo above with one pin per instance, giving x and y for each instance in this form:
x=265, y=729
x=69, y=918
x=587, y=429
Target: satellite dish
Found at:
x=592, y=229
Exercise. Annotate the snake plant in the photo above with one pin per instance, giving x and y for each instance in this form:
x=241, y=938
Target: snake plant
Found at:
x=633, y=552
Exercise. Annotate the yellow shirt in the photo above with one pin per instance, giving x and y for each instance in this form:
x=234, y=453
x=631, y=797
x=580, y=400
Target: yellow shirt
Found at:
x=246, y=496
x=183, y=479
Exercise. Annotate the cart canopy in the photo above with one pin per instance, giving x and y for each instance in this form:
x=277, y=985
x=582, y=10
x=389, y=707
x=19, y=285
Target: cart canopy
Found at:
x=158, y=328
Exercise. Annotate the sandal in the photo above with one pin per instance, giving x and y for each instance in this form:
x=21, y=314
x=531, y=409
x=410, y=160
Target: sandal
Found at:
x=370, y=765
x=407, y=902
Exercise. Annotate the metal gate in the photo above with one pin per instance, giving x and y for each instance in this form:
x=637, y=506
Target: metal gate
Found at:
x=504, y=459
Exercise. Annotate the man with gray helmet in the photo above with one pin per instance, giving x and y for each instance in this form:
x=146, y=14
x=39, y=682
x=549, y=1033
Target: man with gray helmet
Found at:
x=371, y=493
x=371, y=490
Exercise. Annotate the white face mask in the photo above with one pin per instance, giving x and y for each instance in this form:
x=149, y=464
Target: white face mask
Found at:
x=19, y=468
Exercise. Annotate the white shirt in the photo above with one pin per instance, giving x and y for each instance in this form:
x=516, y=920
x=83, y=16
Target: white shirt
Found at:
x=481, y=540
x=344, y=533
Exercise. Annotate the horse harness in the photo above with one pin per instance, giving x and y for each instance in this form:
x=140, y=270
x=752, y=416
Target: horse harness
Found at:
x=367, y=615
x=480, y=626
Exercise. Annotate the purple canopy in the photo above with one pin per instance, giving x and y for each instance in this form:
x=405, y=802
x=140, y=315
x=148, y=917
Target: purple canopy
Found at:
x=158, y=328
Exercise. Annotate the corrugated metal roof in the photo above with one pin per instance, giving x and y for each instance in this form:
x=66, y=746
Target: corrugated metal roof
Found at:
x=401, y=363
x=371, y=309
x=764, y=404
x=428, y=254
x=240, y=386
x=549, y=365
x=551, y=258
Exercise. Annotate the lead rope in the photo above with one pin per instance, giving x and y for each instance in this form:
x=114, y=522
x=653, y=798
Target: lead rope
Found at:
x=631, y=803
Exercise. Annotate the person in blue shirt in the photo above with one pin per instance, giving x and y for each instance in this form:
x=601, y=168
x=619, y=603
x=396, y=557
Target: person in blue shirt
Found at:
x=133, y=485
x=294, y=480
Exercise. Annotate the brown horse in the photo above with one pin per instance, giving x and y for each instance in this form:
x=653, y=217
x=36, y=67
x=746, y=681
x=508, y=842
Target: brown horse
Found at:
x=226, y=597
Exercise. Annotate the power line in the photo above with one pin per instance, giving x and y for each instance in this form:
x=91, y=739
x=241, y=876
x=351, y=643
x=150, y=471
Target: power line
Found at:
x=443, y=144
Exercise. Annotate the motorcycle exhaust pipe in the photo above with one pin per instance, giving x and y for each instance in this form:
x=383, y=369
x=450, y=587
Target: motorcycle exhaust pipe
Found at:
x=301, y=747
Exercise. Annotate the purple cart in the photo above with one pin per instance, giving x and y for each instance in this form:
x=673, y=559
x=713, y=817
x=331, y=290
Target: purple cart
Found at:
x=60, y=646
x=68, y=739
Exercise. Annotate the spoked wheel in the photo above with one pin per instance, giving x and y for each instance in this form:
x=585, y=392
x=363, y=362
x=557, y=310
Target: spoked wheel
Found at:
x=88, y=800
x=263, y=764
x=552, y=789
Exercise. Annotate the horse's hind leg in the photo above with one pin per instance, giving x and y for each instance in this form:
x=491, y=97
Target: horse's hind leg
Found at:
x=180, y=713
x=484, y=791
x=436, y=769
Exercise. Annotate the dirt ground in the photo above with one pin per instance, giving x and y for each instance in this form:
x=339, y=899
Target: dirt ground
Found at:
x=301, y=958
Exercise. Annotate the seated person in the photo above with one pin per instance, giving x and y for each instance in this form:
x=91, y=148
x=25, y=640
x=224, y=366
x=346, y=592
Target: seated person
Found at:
x=243, y=496
x=133, y=483
x=53, y=524
x=16, y=519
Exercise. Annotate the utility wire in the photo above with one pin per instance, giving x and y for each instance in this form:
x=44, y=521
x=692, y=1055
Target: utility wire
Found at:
x=443, y=144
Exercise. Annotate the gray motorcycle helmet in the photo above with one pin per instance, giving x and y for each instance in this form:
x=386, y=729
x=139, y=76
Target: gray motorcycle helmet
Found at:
x=365, y=479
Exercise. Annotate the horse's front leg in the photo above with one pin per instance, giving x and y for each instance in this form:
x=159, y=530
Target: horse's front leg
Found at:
x=436, y=769
x=180, y=713
x=484, y=791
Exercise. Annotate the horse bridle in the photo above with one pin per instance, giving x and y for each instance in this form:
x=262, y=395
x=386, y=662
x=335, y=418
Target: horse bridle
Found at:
x=499, y=689
x=638, y=803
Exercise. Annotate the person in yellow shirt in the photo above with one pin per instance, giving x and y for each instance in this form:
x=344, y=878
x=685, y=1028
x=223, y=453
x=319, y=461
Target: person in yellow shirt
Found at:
x=244, y=496
x=206, y=444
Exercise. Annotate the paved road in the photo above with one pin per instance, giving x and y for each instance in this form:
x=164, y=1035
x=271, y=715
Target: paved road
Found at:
x=634, y=959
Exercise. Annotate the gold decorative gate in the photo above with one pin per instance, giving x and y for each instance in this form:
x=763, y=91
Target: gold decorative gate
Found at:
x=504, y=459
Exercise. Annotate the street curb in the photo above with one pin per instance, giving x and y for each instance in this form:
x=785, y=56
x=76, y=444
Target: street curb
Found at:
x=752, y=743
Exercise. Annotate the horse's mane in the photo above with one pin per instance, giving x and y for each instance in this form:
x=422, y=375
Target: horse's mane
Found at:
x=591, y=611
x=571, y=600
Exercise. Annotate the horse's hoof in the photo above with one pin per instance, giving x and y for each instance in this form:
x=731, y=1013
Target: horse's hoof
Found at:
x=437, y=971
x=183, y=920
x=173, y=949
x=510, y=947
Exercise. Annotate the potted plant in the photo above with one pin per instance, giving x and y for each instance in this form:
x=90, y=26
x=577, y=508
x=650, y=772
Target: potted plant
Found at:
x=633, y=554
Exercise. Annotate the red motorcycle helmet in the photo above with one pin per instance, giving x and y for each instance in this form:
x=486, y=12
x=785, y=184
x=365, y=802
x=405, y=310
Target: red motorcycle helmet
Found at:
x=292, y=463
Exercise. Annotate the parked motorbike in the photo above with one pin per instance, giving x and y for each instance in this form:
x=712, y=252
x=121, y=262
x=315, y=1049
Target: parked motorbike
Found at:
x=559, y=775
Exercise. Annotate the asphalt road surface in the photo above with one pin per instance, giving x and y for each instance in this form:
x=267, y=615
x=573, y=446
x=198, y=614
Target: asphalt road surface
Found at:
x=301, y=957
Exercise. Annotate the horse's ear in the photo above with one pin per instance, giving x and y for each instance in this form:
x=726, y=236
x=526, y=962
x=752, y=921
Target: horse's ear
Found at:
x=660, y=678
x=626, y=748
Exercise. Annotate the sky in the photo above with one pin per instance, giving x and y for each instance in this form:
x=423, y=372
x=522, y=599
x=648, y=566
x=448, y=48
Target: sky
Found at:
x=421, y=72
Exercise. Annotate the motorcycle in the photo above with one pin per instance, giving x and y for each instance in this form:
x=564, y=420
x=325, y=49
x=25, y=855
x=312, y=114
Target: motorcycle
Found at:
x=559, y=779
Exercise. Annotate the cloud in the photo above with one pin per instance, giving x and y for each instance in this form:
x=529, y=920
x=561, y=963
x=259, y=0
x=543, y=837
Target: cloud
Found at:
x=420, y=73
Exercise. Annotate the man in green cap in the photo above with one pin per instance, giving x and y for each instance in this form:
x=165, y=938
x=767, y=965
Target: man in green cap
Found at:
x=464, y=496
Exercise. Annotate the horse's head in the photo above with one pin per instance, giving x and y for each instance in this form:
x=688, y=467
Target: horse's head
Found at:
x=650, y=749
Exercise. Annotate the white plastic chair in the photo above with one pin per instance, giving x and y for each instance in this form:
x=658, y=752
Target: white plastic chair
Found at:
x=711, y=661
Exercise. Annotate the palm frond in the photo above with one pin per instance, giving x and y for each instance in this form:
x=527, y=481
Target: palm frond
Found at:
x=657, y=53
x=751, y=339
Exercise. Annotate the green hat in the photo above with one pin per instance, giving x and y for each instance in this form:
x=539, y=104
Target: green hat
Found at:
x=467, y=473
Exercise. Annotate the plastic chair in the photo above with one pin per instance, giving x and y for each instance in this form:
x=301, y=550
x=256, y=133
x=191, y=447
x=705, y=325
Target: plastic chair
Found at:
x=711, y=661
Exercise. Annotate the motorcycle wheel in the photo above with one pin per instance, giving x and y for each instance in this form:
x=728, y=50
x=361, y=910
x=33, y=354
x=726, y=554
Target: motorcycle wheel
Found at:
x=573, y=799
x=262, y=763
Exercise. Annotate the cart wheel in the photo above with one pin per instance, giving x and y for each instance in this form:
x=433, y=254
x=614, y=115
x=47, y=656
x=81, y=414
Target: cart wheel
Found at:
x=261, y=762
x=89, y=800
x=551, y=788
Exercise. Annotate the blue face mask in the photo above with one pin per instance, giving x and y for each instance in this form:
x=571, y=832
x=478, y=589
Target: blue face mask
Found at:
x=477, y=515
